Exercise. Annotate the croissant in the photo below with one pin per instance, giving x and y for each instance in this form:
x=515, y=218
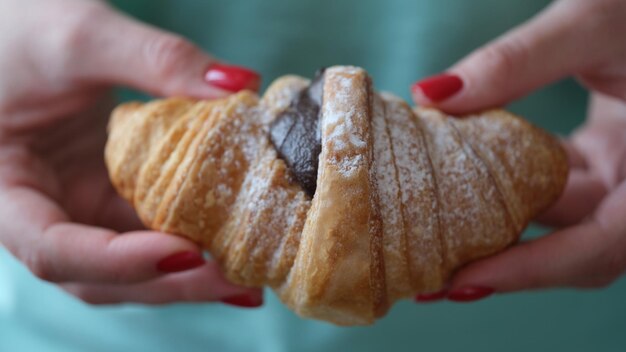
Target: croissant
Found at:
x=341, y=199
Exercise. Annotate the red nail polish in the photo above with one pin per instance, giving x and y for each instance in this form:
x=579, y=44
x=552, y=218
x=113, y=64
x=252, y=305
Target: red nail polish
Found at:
x=232, y=78
x=470, y=293
x=439, y=87
x=180, y=261
x=431, y=297
x=244, y=301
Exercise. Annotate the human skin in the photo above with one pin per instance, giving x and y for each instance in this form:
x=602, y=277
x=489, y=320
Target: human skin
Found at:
x=59, y=214
x=61, y=218
x=579, y=38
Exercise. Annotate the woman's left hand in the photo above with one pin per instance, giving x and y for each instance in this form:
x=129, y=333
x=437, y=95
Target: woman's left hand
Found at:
x=59, y=214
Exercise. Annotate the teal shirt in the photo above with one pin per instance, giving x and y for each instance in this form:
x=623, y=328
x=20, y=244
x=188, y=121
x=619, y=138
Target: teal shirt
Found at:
x=397, y=41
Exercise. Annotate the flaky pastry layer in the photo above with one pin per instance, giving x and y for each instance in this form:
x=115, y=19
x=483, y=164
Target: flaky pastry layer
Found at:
x=404, y=196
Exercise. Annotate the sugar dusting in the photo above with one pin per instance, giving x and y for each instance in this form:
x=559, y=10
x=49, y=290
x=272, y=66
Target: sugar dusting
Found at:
x=394, y=239
x=505, y=167
x=344, y=137
x=264, y=211
x=473, y=212
x=417, y=192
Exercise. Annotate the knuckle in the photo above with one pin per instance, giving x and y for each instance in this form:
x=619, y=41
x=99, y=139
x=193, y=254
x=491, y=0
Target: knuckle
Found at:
x=76, y=36
x=604, y=9
x=121, y=276
x=84, y=295
x=503, y=57
x=612, y=258
x=166, y=53
x=600, y=19
x=40, y=267
x=614, y=268
x=600, y=281
x=192, y=293
x=79, y=27
x=607, y=266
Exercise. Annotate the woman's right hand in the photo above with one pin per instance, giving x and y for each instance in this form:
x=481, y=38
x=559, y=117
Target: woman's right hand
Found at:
x=59, y=214
x=580, y=38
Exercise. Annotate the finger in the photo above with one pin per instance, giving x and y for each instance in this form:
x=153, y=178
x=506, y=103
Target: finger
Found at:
x=582, y=194
x=588, y=255
x=204, y=284
x=36, y=231
x=114, y=48
x=72, y=252
x=562, y=40
x=89, y=198
x=117, y=214
x=602, y=138
x=575, y=159
x=568, y=257
x=606, y=110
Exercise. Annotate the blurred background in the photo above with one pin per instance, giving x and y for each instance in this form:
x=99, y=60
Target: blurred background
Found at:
x=398, y=42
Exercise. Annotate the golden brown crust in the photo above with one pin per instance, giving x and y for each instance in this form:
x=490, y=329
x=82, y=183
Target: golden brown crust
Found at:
x=331, y=276
x=473, y=218
x=148, y=123
x=529, y=166
x=420, y=205
x=404, y=197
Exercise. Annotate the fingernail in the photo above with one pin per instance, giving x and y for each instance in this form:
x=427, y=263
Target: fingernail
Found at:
x=180, y=261
x=431, y=297
x=232, y=78
x=470, y=293
x=439, y=87
x=244, y=301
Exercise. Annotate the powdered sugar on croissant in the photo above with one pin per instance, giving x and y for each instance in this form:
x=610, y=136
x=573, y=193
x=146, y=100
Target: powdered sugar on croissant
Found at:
x=403, y=198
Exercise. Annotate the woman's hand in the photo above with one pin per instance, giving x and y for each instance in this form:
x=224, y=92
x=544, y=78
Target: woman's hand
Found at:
x=58, y=213
x=579, y=38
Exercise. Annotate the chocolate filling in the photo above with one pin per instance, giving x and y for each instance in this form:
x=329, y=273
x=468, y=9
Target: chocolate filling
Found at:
x=296, y=134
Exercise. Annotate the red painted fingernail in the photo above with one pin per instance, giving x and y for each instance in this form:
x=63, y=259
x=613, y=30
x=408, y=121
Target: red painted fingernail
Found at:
x=232, y=78
x=439, y=87
x=431, y=297
x=470, y=293
x=180, y=261
x=244, y=301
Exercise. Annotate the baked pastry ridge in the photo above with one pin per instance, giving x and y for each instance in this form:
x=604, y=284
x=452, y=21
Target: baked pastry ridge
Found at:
x=403, y=197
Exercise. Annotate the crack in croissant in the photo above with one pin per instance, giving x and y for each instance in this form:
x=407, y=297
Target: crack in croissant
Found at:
x=404, y=197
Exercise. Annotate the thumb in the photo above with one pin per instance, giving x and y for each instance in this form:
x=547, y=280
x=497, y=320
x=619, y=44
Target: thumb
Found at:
x=116, y=49
x=573, y=257
x=560, y=41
